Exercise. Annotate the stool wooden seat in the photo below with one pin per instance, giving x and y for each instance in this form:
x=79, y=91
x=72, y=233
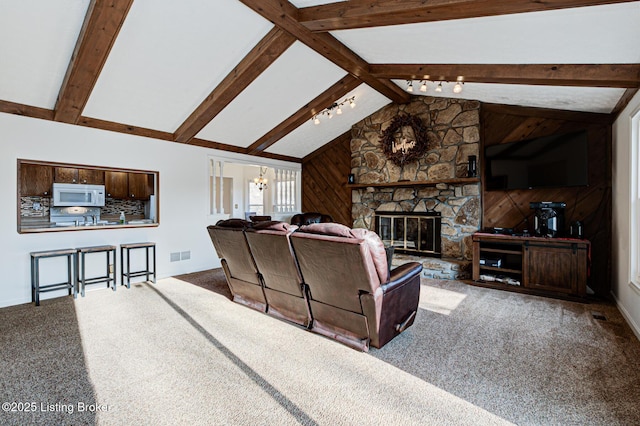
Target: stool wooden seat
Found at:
x=109, y=277
x=128, y=274
x=70, y=284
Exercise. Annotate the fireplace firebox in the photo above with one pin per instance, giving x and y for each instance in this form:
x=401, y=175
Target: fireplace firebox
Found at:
x=411, y=232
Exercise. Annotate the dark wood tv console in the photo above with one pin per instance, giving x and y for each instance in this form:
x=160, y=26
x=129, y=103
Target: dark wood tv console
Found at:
x=556, y=267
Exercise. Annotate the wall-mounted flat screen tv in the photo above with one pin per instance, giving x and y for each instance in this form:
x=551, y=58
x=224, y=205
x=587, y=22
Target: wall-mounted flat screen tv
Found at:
x=551, y=161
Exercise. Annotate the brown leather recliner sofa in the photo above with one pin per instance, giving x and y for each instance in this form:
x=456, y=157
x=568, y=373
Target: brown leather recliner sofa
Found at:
x=327, y=277
x=308, y=218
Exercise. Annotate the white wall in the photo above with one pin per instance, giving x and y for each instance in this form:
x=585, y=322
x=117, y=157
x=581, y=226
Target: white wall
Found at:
x=626, y=295
x=183, y=196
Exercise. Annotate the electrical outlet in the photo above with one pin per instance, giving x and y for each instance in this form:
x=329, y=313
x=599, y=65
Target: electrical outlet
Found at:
x=111, y=268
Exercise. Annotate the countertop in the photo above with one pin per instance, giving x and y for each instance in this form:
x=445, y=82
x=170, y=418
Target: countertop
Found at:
x=34, y=225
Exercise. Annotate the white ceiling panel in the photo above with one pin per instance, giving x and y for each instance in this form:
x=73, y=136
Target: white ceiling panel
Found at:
x=169, y=56
x=294, y=79
x=586, y=99
x=37, y=39
x=600, y=34
x=309, y=137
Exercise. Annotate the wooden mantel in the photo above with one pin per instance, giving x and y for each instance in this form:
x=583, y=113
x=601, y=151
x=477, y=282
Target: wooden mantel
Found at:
x=453, y=181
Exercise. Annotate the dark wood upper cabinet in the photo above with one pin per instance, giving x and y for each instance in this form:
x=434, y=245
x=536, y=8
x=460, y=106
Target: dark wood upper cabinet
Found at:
x=140, y=185
x=91, y=176
x=131, y=185
x=35, y=180
x=65, y=175
x=77, y=175
x=116, y=184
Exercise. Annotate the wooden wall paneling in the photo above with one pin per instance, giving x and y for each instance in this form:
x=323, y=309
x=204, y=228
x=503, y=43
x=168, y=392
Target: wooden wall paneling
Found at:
x=589, y=204
x=324, y=179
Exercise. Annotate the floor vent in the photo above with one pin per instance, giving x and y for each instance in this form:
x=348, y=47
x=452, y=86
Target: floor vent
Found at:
x=598, y=316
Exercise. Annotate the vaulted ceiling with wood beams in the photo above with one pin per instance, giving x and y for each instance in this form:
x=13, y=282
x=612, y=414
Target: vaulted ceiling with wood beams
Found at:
x=250, y=76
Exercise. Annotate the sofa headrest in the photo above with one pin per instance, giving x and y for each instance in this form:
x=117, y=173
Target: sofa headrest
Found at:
x=329, y=228
x=309, y=218
x=273, y=225
x=233, y=223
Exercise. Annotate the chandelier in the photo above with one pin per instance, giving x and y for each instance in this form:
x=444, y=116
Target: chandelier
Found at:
x=336, y=107
x=261, y=182
x=424, y=87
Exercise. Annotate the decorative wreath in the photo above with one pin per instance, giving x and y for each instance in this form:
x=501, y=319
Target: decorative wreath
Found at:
x=400, y=145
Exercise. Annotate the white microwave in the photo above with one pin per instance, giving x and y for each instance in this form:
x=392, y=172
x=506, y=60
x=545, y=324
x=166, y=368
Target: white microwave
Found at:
x=75, y=194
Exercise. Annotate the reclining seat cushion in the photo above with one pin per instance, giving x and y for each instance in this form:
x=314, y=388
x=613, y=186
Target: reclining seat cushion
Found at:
x=338, y=269
x=271, y=248
x=389, y=308
x=239, y=267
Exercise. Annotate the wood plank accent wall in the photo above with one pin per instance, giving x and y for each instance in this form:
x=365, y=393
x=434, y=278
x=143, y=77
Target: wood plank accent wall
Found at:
x=324, y=180
x=591, y=204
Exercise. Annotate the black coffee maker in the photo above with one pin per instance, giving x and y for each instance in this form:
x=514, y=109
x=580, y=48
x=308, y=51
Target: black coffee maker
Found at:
x=548, y=220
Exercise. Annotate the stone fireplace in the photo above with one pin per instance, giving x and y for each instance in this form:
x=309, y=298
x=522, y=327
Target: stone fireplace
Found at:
x=436, y=183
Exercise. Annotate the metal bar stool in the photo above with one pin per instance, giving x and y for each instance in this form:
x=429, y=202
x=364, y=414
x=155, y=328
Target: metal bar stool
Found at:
x=36, y=288
x=126, y=248
x=83, y=281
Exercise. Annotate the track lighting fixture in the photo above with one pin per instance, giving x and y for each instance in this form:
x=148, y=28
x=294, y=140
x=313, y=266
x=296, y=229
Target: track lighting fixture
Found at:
x=457, y=88
x=336, y=107
x=409, y=86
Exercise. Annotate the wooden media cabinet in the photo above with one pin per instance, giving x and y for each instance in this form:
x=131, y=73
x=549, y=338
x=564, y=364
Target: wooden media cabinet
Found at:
x=555, y=267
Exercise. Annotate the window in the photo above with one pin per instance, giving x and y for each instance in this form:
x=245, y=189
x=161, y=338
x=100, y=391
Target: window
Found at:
x=256, y=198
x=286, y=199
x=634, y=259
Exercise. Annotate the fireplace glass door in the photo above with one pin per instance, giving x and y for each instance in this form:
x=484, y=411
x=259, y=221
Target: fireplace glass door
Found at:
x=410, y=233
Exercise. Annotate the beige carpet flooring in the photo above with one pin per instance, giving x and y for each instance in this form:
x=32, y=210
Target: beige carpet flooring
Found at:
x=178, y=353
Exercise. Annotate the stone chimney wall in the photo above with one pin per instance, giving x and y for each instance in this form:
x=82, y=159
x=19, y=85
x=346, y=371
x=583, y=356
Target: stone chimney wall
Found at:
x=455, y=127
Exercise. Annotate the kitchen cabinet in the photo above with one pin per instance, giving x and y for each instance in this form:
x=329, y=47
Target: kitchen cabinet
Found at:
x=116, y=184
x=78, y=175
x=544, y=266
x=138, y=186
x=35, y=180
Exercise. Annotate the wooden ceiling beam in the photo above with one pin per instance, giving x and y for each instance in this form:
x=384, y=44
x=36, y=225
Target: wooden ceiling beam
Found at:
x=101, y=26
x=368, y=13
x=284, y=15
x=25, y=110
x=585, y=75
x=623, y=102
x=326, y=99
x=272, y=45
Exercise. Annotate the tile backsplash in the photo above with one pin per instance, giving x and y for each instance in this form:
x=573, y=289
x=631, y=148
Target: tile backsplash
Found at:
x=112, y=207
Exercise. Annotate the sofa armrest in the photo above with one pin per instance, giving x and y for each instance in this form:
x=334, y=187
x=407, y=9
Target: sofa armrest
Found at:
x=401, y=275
